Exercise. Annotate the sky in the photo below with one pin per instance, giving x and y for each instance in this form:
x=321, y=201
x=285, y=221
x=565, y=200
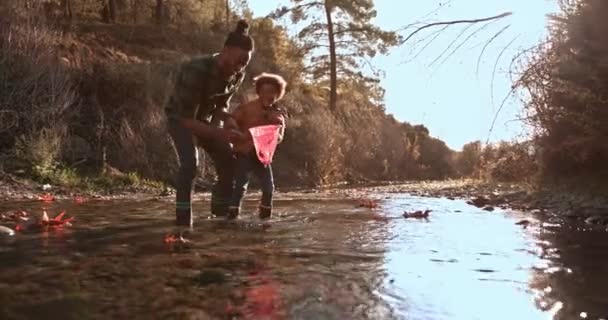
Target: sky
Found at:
x=456, y=103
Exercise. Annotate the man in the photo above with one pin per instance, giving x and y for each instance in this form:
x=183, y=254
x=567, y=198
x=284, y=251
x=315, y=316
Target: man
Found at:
x=199, y=102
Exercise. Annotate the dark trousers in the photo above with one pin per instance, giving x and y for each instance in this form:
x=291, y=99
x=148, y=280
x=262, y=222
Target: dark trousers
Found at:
x=223, y=160
x=245, y=165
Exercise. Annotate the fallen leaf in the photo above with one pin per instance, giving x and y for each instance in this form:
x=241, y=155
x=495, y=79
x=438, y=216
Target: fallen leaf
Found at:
x=43, y=222
x=171, y=238
x=417, y=214
x=47, y=198
x=79, y=200
x=368, y=203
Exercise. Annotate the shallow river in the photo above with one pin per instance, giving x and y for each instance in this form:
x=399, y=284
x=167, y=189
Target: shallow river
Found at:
x=315, y=259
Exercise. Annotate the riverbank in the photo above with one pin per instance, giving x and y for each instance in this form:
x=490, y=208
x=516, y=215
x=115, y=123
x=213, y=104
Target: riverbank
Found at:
x=589, y=205
x=568, y=203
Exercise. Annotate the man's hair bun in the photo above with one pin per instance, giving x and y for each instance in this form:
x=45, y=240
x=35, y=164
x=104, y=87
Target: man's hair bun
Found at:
x=242, y=27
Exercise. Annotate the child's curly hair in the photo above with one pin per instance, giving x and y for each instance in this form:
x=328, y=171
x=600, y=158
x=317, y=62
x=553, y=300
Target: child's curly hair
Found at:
x=272, y=79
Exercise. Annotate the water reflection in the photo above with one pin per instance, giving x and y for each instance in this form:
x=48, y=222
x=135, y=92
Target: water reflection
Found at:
x=467, y=265
x=318, y=260
x=573, y=282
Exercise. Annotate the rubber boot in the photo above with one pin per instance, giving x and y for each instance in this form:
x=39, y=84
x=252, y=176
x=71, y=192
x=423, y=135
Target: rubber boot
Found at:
x=183, y=217
x=233, y=213
x=265, y=212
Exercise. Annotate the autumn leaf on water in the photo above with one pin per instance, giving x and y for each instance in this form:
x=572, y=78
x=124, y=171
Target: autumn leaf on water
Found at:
x=45, y=222
x=79, y=200
x=171, y=238
x=46, y=197
x=368, y=203
x=419, y=214
x=57, y=221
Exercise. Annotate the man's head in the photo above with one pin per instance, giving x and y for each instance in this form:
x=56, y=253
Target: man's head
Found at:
x=237, y=50
x=270, y=88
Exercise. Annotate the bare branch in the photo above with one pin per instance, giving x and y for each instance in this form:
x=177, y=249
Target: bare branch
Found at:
x=436, y=35
x=496, y=65
x=443, y=23
x=467, y=39
x=486, y=46
x=451, y=44
x=504, y=101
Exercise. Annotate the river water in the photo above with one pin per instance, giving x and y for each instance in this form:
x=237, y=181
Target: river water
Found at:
x=317, y=258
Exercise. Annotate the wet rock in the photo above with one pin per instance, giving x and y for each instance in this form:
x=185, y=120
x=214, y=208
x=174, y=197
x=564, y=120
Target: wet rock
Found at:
x=368, y=203
x=524, y=223
x=211, y=276
x=6, y=232
x=597, y=220
x=167, y=192
x=488, y=208
x=479, y=202
x=451, y=198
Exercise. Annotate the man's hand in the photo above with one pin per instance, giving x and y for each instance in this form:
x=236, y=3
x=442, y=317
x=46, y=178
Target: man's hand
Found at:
x=230, y=123
x=229, y=135
x=198, y=128
x=205, y=131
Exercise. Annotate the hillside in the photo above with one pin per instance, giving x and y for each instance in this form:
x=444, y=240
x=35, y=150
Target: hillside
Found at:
x=100, y=88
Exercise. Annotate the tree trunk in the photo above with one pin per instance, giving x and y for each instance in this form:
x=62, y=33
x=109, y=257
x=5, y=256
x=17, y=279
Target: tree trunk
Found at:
x=66, y=6
x=135, y=11
x=108, y=11
x=333, y=72
x=227, y=15
x=160, y=12
x=112, y=7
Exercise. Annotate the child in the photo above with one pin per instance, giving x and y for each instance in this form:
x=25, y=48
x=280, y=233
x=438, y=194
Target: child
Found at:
x=270, y=88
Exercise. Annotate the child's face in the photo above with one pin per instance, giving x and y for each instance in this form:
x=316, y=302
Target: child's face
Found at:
x=268, y=94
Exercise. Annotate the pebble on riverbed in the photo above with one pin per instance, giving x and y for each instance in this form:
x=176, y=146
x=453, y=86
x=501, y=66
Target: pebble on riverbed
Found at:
x=479, y=202
x=597, y=220
x=6, y=232
x=211, y=276
x=368, y=203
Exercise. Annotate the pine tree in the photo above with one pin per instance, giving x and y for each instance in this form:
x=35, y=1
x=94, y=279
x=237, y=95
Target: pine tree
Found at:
x=340, y=38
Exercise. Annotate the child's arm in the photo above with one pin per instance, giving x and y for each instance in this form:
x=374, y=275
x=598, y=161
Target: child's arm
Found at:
x=282, y=130
x=277, y=116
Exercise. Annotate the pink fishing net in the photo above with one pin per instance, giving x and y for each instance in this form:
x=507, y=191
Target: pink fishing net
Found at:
x=265, y=140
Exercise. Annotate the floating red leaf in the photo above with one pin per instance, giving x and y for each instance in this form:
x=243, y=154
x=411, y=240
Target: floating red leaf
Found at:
x=79, y=199
x=46, y=198
x=170, y=238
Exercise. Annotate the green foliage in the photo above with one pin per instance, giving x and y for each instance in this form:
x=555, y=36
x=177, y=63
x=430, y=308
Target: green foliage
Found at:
x=356, y=38
x=501, y=162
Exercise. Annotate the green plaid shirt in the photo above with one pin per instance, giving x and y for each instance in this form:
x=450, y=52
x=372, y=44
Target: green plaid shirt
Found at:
x=200, y=89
